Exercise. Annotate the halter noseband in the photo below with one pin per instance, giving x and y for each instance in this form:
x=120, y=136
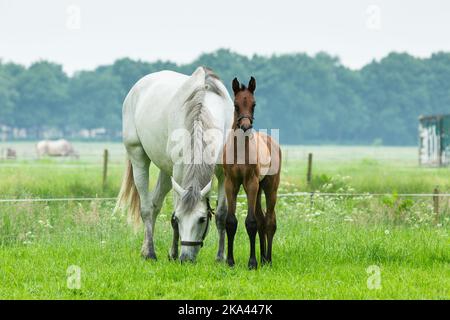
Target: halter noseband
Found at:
x=198, y=243
x=242, y=116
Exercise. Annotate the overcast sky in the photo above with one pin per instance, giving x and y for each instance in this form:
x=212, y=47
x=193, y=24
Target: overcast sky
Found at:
x=82, y=34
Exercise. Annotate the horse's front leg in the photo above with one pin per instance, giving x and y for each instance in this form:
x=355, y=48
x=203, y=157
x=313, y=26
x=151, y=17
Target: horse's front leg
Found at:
x=231, y=190
x=150, y=210
x=251, y=187
x=221, y=214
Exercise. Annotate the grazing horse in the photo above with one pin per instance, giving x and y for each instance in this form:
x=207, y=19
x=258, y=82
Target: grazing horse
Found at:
x=179, y=123
x=55, y=148
x=253, y=160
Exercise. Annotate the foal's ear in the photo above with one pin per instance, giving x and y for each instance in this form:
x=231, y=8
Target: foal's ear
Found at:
x=252, y=85
x=236, y=86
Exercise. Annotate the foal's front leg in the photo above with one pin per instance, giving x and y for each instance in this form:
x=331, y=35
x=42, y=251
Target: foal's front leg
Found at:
x=173, y=254
x=231, y=222
x=221, y=213
x=251, y=187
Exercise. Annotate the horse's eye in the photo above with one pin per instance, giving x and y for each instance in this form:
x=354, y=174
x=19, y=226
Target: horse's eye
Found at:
x=254, y=105
x=202, y=220
x=236, y=107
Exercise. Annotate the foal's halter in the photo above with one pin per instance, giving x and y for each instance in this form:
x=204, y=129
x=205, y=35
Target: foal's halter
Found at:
x=242, y=116
x=198, y=243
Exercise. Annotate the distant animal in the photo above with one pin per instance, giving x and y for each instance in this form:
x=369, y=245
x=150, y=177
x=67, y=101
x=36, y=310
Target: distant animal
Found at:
x=55, y=148
x=168, y=119
x=254, y=162
x=11, y=154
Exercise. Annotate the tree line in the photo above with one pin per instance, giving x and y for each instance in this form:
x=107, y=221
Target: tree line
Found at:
x=311, y=99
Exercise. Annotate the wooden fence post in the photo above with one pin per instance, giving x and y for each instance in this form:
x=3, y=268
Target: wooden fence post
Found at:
x=309, y=172
x=436, y=203
x=286, y=156
x=105, y=167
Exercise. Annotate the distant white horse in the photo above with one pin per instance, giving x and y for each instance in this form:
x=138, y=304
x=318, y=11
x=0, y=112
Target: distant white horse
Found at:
x=165, y=114
x=56, y=148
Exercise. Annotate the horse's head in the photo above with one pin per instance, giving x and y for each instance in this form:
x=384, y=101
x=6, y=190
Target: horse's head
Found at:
x=244, y=104
x=191, y=219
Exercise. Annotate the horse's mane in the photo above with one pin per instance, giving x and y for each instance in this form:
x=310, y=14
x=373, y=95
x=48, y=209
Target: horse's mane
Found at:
x=197, y=174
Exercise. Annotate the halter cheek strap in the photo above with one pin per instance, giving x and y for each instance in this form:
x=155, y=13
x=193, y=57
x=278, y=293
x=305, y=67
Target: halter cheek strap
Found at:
x=197, y=243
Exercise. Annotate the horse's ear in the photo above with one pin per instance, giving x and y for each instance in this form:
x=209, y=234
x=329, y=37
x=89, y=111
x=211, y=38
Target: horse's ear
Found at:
x=252, y=85
x=236, y=86
x=206, y=189
x=177, y=188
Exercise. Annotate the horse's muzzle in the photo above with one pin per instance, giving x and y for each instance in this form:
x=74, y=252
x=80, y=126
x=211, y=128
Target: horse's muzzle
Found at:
x=185, y=257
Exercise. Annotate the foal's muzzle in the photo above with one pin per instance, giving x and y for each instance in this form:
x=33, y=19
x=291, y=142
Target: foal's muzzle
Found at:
x=245, y=122
x=245, y=128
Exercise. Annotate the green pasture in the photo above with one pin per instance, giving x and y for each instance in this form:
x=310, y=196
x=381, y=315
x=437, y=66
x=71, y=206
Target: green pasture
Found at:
x=366, y=247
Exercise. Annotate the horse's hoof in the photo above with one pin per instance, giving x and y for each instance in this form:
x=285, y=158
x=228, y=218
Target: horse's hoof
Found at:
x=230, y=262
x=252, y=264
x=220, y=259
x=149, y=256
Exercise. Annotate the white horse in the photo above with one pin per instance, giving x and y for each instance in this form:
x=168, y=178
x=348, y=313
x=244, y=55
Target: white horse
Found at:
x=156, y=112
x=55, y=148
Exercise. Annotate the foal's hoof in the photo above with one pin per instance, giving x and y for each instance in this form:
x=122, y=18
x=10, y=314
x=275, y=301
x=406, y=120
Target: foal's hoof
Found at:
x=220, y=258
x=230, y=262
x=252, y=264
x=266, y=263
x=172, y=257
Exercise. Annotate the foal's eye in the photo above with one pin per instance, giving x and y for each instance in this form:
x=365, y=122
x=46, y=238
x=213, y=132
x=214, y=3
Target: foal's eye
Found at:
x=202, y=220
x=236, y=107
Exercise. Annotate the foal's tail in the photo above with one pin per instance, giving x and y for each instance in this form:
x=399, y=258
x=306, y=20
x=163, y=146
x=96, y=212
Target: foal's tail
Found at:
x=129, y=196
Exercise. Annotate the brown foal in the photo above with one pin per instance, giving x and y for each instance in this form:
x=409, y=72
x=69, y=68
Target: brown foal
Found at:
x=253, y=160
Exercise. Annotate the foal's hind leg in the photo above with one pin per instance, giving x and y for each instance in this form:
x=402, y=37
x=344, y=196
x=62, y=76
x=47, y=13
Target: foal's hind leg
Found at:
x=270, y=191
x=260, y=223
x=251, y=187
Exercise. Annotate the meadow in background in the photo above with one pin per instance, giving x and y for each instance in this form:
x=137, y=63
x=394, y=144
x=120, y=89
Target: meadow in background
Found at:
x=324, y=246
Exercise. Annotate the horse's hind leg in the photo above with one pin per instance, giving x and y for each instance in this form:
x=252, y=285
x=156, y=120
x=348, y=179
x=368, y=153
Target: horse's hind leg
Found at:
x=141, y=163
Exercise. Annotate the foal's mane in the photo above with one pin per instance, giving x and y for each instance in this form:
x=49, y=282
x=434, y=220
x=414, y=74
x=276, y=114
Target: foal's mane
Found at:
x=197, y=174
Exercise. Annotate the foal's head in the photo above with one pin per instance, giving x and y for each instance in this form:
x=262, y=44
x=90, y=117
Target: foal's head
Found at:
x=244, y=104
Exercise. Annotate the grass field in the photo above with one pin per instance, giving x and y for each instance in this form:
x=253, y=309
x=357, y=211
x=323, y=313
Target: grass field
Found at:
x=327, y=248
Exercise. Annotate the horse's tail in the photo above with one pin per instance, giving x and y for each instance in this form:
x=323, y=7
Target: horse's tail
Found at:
x=129, y=196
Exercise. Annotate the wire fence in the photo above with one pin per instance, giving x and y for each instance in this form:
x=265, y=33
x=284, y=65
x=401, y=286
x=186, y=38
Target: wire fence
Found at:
x=26, y=152
x=282, y=195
